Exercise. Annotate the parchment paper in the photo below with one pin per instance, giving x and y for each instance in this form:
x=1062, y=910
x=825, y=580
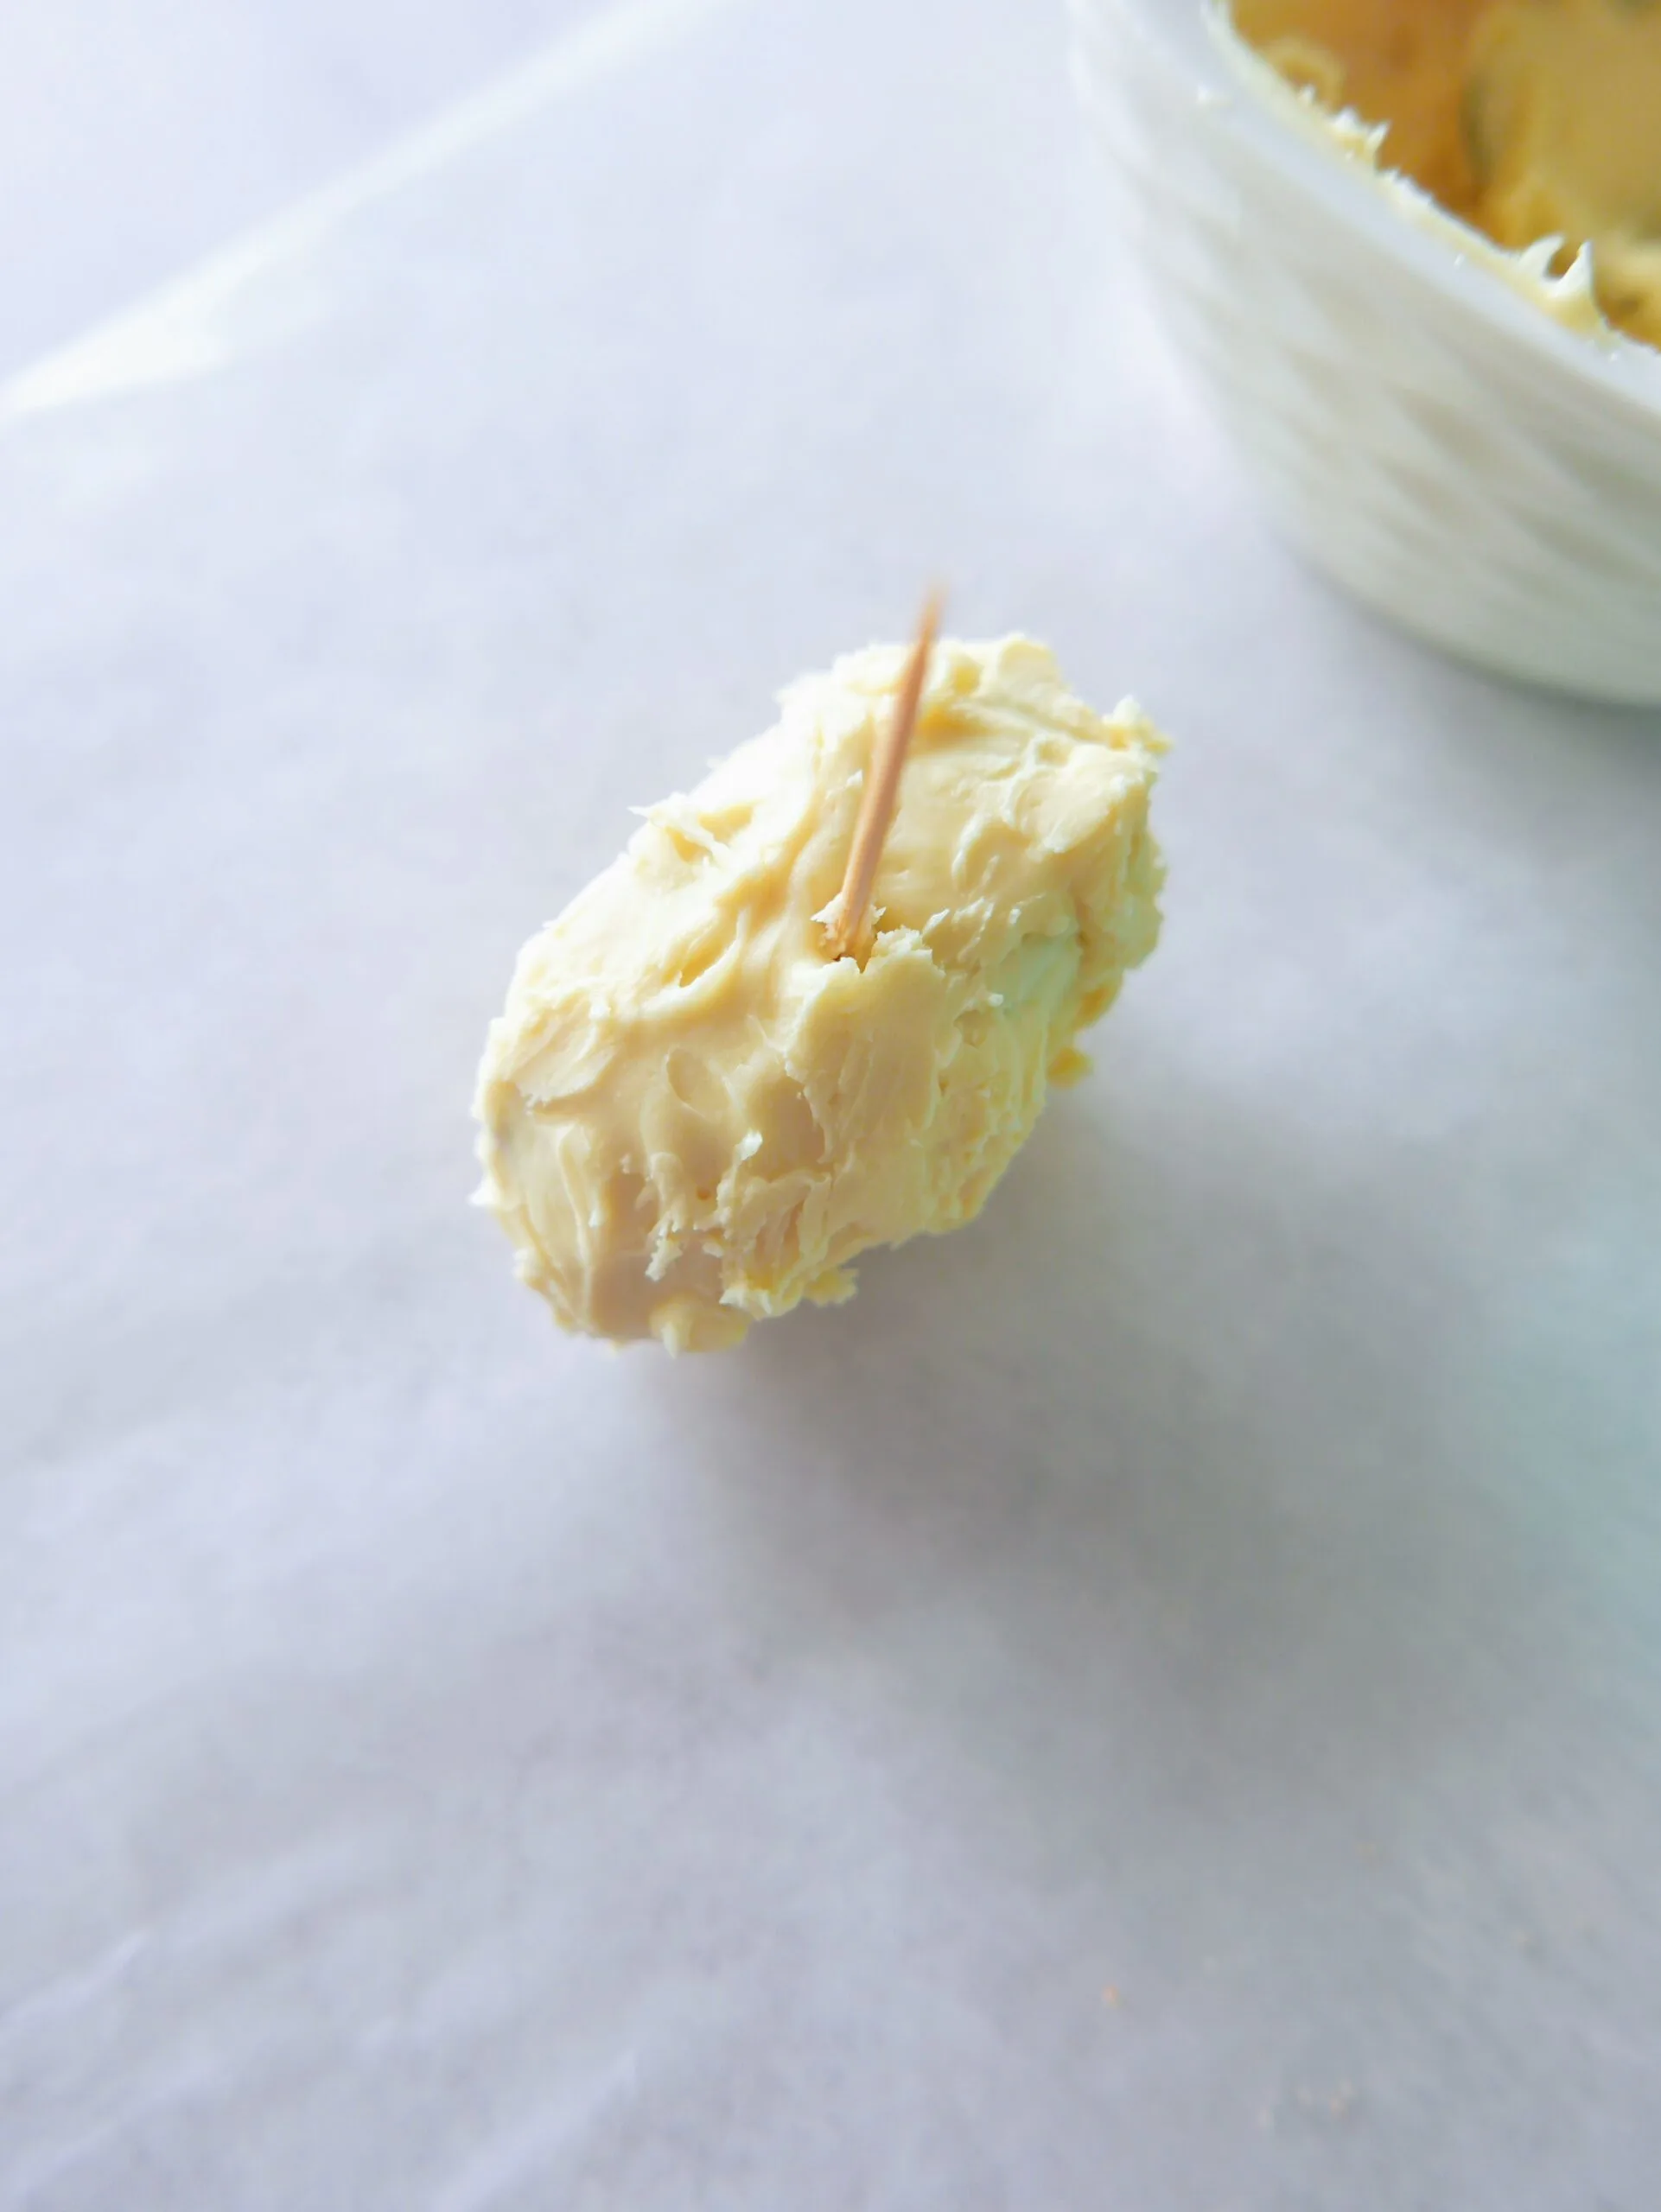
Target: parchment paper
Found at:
x=1156, y=1705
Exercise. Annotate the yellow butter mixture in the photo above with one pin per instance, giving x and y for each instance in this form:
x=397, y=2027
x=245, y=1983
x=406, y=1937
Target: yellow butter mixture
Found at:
x=1530, y=120
x=693, y=1116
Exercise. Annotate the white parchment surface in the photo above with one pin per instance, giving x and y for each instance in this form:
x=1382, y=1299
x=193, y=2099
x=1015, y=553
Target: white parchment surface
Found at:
x=1158, y=1704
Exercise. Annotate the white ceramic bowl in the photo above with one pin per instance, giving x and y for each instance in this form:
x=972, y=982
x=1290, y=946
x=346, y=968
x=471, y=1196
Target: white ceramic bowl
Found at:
x=1462, y=462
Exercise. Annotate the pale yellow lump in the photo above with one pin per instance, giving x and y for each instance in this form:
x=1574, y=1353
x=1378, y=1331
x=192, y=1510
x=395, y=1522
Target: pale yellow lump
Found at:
x=694, y=1117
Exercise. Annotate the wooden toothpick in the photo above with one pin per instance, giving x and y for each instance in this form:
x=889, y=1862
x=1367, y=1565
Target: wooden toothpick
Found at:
x=845, y=917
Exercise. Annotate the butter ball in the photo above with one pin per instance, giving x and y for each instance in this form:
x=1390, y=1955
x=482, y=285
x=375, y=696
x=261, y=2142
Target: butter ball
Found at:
x=693, y=1117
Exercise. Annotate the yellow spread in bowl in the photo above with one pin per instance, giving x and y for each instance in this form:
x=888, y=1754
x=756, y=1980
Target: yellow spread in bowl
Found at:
x=1530, y=120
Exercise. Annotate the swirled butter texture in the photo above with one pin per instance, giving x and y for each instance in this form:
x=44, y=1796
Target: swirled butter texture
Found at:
x=693, y=1117
x=1530, y=120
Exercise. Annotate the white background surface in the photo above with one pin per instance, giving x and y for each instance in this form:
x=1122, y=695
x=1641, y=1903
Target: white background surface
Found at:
x=443, y=1766
x=138, y=134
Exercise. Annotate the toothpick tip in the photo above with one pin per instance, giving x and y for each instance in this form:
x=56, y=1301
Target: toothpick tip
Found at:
x=844, y=918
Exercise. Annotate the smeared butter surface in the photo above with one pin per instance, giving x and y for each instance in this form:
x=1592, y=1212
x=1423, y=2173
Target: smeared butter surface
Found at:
x=692, y=1117
x=1532, y=120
